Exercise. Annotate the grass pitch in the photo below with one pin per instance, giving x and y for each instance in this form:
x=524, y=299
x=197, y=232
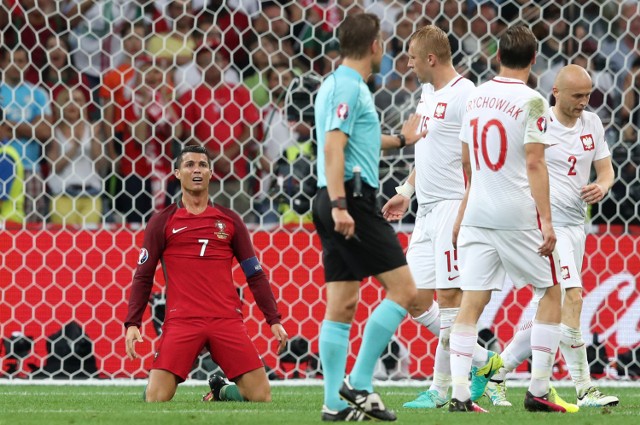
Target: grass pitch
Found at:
x=60, y=404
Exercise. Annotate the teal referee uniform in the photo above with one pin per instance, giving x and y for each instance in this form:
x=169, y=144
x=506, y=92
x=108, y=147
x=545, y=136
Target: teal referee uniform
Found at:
x=344, y=103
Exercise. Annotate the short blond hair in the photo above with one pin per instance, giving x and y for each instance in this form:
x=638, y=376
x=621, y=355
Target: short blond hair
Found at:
x=431, y=39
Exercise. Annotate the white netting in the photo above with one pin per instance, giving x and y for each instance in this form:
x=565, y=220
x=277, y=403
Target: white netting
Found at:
x=99, y=95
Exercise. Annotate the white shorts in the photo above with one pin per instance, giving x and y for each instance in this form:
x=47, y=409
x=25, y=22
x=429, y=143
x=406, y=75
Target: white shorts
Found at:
x=570, y=247
x=488, y=255
x=432, y=260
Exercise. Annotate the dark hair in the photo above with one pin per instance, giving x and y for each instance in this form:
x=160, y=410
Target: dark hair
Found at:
x=191, y=149
x=518, y=46
x=356, y=33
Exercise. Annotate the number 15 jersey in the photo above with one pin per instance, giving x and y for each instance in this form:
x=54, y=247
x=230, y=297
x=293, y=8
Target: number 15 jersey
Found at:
x=502, y=115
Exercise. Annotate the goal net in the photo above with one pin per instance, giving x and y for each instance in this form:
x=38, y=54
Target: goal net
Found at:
x=97, y=97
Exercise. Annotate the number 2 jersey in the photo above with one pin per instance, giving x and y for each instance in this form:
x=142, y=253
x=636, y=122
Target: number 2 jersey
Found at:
x=569, y=160
x=197, y=252
x=502, y=115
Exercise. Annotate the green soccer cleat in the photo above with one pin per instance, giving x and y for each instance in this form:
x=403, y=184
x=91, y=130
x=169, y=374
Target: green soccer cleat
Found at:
x=480, y=376
x=427, y=400
x=555, y=398
x=497, y=393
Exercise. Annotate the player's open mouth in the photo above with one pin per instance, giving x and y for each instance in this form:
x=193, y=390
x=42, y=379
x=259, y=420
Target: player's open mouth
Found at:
x=197, y=179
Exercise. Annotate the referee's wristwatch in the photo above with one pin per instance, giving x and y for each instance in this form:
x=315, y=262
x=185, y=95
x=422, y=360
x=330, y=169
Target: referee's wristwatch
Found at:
x=340, y=203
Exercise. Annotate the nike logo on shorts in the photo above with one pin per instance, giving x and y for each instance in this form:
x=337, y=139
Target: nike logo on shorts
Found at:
x=577, y=346
x=177, y=230
x=453, y=278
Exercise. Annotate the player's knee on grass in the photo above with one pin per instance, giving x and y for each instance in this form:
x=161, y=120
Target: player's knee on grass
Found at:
x=258, y=393
x=158, y=394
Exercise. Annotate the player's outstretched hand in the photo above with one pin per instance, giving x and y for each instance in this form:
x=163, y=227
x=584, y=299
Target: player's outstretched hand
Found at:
x=133, y=336
x=395, y=208
x=548, y=240
x=281, y=335
x=410, y=129
x=592, y=193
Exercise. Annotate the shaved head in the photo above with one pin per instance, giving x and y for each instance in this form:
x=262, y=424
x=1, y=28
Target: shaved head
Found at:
x=572, y=76
x=571, y=90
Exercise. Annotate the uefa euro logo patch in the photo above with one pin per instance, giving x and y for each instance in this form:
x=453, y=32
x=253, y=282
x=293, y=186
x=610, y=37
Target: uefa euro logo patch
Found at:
x=542, y=124
x=143, y=257
x=343, y=111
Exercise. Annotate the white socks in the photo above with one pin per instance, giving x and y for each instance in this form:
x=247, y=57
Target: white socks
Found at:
x=544, y=345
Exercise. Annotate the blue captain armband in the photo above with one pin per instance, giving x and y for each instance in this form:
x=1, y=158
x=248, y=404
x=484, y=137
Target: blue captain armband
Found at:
x=250, y=266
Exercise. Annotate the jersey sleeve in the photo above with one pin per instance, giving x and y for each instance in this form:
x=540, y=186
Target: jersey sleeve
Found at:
x=602, y=149
x=537, y=110
x=256, y=277
x=343, y=102
x=151, y=252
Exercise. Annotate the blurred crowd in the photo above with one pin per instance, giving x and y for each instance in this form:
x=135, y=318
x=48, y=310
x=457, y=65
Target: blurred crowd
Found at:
x=97, y=95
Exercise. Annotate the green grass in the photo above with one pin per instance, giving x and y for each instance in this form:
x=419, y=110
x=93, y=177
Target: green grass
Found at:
x=49, y=405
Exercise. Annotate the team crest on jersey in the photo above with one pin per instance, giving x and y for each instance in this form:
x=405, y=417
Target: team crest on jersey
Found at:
x=564, y=271
x=542, y=124
x=587, y=142
x=222, y=227
x=441, y=110
x=342, y=111
x=144, y=256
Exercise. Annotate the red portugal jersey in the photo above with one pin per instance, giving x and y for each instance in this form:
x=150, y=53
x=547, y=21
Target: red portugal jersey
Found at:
x=197, y=252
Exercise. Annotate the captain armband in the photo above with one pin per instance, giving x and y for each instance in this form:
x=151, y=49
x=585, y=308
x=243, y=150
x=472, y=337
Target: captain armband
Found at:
x=407, y=190
x=250, y=266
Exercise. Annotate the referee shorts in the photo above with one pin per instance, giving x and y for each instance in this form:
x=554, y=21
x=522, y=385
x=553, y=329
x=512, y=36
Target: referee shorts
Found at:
x=376, y=248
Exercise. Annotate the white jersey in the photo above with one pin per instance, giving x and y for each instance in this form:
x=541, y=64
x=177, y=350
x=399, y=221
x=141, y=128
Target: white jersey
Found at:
x=438, y=156
x=502, y=115
x=569, y=161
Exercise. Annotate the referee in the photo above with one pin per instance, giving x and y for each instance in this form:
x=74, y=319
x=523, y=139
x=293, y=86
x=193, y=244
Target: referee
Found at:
x=357, y=241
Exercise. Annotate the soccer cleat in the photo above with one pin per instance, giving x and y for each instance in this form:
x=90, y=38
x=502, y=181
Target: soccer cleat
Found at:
x=555, y=398
x=480, y=376
x=368, y=403
x=456, y=405
x=594, y=398
x=348, y=414
x=497, y=393
x=216, y=382
x=541, y=404
x=427, y=400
